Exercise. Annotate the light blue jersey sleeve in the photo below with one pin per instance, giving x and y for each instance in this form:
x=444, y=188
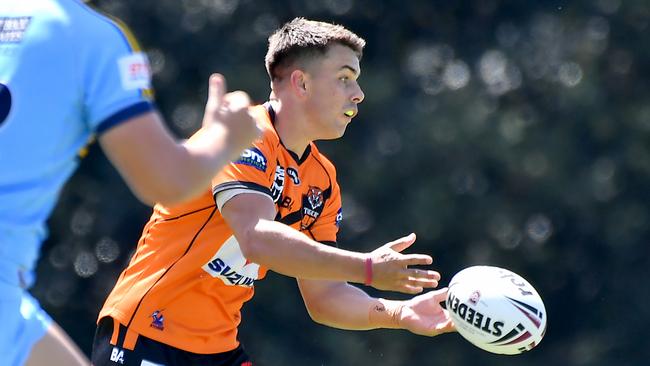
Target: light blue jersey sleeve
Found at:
x=67, y=73
x=116, y=79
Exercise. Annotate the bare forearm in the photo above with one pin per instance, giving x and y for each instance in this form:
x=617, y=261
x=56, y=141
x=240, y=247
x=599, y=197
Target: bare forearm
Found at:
x=290, y=252
x=206, y=152
x=160, y=169
x=344, y=306
x=340, y=305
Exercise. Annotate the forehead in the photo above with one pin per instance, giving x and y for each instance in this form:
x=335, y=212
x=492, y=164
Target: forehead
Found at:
x=339, y=57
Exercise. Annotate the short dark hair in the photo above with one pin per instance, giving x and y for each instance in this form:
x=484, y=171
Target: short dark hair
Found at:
x=302, y=39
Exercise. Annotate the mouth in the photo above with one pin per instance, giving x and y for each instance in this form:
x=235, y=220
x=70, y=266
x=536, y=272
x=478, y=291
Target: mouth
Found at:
x=350, y=113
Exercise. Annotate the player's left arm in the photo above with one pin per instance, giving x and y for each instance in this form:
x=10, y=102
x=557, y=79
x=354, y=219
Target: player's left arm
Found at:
x=341, y=305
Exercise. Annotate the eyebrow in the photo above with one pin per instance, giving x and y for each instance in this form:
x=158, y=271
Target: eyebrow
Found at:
x=354, y=71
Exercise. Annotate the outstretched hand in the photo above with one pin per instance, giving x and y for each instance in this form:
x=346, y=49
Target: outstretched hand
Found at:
x=390, y=268
x=424, y=315
x=230, y=111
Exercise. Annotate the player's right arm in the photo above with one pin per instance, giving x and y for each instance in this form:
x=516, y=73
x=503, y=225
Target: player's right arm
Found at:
x=292, y=253
x=115, y=78
x=159, y=169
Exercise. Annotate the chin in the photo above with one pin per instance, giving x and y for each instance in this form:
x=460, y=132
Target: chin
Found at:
x=341, y=131
x=333, y=135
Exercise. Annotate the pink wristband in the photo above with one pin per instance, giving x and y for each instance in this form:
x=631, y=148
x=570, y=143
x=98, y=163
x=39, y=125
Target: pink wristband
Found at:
x=368, y=271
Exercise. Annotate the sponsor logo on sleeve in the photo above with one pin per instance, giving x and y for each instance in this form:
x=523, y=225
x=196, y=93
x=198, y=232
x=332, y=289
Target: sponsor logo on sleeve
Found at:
x=135, y=72
x=13, y=29
x=253, y=157
x=339, y=217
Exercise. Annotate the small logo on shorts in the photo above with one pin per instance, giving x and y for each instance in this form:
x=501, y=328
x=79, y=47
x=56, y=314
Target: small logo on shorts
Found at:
x=117, y=355
x=158, y=320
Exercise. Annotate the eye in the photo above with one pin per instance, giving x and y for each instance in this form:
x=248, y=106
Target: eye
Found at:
x=344, y=79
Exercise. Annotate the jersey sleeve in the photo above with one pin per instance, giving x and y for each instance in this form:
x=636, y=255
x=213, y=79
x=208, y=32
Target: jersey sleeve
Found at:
x=252, y=172
x=116, y=77
x=326, y=227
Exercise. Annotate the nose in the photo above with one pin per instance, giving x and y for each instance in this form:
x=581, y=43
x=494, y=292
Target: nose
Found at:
x=358, y=95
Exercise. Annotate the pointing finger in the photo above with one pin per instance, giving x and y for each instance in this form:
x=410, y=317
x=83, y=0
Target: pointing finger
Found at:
x=216, y=90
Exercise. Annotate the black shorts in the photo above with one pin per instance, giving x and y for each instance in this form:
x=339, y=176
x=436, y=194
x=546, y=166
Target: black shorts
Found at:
x=148, y=352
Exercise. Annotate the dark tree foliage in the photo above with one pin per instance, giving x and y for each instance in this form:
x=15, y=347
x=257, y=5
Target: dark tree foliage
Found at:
x=507, y=133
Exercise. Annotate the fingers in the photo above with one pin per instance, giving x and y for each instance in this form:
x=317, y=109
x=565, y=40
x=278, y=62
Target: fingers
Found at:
x=445, y=327
x=417, y=280
x=409, y=289
x=416, y=259
x=216, y=90
x=402, y=243
x=421, y=274
x=420, y=283
x=423, y=283
x=237, y=100
x=440, y=295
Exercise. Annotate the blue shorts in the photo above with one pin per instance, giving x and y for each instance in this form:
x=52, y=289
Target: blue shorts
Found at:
x=23, y=324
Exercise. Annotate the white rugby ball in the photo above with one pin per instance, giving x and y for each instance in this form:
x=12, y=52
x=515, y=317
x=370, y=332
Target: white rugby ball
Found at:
x=496, y=310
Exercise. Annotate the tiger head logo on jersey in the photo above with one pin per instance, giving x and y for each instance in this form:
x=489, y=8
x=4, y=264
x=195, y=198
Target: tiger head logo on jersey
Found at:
x=315, y=197
x=312, y=206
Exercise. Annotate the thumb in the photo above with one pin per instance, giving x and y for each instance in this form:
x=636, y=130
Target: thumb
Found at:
x=216, y=90
x=440, y=295
x=402, y=243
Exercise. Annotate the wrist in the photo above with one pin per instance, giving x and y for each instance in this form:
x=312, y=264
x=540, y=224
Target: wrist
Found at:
x=386, y=314
x=368, y=271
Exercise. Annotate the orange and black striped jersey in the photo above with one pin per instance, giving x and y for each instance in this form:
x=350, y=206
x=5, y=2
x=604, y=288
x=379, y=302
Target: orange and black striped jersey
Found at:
x=188, y=278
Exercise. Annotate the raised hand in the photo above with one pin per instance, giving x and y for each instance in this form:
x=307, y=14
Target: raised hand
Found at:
x=230, y=111
x=390, y=268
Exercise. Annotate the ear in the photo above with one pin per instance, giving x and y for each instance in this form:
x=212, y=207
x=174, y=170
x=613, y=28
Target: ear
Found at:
x=298, y=80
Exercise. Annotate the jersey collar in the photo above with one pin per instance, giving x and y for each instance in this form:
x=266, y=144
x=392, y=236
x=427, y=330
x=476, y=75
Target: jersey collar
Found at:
x=296, y=158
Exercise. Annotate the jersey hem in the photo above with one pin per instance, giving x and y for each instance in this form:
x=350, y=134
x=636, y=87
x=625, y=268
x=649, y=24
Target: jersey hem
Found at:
x=123, y=115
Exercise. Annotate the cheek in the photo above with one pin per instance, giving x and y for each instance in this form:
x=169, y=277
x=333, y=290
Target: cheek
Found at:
x=323, y=101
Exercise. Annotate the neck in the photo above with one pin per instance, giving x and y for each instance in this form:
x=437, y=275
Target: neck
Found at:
x=291, y=127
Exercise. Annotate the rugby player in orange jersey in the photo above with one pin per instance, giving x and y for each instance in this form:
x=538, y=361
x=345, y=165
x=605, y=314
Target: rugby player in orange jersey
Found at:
x=276, y=207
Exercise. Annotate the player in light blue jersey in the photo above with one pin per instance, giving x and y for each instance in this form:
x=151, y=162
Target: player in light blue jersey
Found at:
x=67, y=74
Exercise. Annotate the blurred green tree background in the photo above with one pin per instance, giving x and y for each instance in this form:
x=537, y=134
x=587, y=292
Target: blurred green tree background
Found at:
x=502, y=132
